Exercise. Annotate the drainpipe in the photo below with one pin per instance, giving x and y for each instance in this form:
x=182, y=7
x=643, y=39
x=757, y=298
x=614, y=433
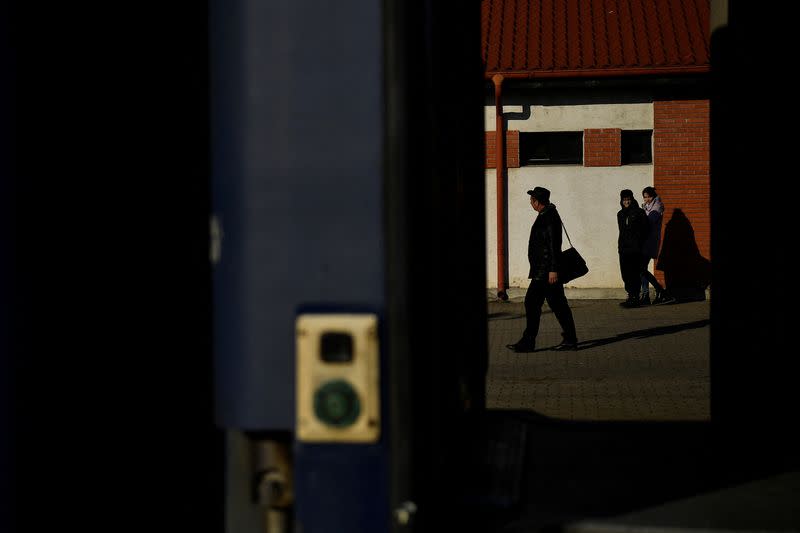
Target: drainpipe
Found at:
x=500, y=138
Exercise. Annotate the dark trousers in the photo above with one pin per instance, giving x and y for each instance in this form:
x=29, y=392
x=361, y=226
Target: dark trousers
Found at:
x=538, y=292
x=630, y=266
x=648, y=277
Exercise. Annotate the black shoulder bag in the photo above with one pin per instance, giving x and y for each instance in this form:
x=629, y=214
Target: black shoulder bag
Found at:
x=570, y=263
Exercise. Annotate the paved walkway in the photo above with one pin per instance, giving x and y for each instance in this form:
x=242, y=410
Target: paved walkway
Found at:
x=649, y=363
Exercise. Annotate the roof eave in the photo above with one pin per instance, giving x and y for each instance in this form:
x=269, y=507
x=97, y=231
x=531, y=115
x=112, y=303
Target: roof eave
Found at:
x=598, y=73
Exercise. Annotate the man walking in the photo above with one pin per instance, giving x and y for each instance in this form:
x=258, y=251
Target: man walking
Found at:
x=544, y=249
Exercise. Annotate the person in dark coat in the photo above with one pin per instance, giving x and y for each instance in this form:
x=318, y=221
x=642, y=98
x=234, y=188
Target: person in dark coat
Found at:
x=544, y=249
x=633, y=231
x=654, y=209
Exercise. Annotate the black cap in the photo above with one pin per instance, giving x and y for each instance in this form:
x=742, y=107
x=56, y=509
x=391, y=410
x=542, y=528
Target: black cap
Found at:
x=625, y=193
x=541, y=194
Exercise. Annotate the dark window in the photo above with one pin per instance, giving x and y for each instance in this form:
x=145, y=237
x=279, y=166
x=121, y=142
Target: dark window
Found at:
x=336, y=347
x=637, y=146
x=551, y=148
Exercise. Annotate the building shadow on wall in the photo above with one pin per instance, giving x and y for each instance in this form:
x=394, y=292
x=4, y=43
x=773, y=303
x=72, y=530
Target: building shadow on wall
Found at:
x=687, y=274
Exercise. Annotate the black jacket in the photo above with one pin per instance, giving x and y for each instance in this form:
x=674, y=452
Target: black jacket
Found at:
x=544, y=244
x=633, y=229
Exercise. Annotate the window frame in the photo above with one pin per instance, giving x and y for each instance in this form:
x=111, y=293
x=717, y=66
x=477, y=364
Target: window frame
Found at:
x=555, y=143
x=626, y=150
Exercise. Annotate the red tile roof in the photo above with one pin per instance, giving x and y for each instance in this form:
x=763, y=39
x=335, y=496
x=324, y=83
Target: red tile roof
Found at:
x=577, y=38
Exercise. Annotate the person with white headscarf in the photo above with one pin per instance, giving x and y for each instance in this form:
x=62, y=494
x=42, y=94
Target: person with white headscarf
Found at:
x=654, y=208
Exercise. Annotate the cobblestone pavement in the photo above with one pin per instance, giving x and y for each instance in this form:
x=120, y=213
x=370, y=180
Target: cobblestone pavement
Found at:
x=649, y=363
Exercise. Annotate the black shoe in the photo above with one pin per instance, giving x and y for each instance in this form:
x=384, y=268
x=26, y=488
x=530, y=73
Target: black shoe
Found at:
x=567, y=345
x=632, y=301
x=644, y=299
x=523, y=346
x=664, y=297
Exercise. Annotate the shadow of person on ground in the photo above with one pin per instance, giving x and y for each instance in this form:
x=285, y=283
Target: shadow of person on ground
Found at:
x=687, y=274
x=638, y=334
x=643, y=334
x=506, y=316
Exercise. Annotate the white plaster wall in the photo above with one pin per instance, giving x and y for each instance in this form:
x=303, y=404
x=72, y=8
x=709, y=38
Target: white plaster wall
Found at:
x=586, y=197
x=574, y=117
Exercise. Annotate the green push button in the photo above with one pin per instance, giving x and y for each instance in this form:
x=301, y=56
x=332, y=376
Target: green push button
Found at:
x=336, y=403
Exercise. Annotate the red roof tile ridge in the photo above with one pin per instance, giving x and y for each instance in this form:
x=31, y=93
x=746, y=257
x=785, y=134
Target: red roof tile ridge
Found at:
x=578, y=36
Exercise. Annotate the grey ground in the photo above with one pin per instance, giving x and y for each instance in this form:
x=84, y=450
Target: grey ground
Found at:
x=649, y=363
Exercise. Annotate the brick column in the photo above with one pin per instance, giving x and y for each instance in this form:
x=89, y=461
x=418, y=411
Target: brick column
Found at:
x=602, y=147
x=681, y=158
x=512, y=149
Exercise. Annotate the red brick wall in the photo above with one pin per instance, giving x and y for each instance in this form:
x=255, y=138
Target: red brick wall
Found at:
x=512, y=149
x=681, y=170
x=602, y=147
